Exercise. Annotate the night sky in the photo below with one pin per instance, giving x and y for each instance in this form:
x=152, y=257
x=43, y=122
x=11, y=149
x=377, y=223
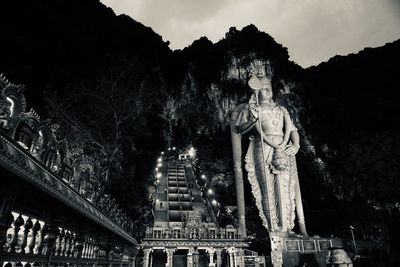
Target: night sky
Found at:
x=313, y=30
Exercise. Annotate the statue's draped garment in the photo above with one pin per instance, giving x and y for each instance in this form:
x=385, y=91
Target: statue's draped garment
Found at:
x=274, y=188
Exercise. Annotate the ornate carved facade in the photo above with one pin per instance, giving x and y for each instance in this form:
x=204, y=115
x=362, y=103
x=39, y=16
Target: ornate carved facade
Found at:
x=53, y=209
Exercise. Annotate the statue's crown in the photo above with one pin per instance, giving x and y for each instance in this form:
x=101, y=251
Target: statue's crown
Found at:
x=3, y=81
x=258, y=82
x=258, y=79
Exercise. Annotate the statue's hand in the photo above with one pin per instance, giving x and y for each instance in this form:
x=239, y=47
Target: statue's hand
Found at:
x=292, y=150
x=254, y=111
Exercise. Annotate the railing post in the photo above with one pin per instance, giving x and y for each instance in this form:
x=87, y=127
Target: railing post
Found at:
x=6, y=217
x=6, y=220
x=49, y=241
x=35, y=229
x=27, y=227
x=78, y=247
x=19, y=221
x=58, y=243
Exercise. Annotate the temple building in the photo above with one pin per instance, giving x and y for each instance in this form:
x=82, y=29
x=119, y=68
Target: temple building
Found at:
x=53, y=209
x=185, y=231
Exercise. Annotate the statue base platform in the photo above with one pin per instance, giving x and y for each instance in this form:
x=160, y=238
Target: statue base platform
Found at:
x=306, y=251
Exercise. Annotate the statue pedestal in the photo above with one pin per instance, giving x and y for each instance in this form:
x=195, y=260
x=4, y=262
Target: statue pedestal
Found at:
x=297, y=251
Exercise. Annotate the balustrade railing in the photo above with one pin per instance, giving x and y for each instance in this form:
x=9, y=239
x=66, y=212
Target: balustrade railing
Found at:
x=33, y=242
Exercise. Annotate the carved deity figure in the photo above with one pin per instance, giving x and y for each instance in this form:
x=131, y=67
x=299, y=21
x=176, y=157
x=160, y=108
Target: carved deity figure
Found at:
x=270, y=159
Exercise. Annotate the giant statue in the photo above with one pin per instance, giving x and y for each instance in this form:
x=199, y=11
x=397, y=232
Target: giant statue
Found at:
x=270, y=161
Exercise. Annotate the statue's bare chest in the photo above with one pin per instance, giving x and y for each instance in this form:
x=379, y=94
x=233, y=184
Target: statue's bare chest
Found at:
x=272, y=120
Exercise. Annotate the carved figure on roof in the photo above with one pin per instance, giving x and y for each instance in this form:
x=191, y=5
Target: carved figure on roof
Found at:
x=26, y=131
x=12, y=103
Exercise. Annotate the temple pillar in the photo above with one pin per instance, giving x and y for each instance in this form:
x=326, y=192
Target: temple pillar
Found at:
x=132, y=257
x=239, y=257
x=219, y=257
x=231, y=253
x=195, y=258
x=189, y=258
x=146, y=256
x=170, y=257
x=277, y=239
x=211, y=252
x=133, y=262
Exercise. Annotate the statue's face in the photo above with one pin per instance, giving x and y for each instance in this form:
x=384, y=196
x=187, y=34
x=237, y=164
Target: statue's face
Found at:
x=266, y=94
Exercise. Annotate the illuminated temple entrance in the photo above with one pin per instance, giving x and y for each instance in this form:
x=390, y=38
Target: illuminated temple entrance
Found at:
x=185, y=230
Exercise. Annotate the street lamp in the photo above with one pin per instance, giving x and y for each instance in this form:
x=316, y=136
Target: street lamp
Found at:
x=354, y=241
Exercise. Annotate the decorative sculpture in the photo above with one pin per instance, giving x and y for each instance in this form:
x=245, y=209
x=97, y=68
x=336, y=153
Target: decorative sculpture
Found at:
x=62, y=156
x=270, y=161
x=12, y=103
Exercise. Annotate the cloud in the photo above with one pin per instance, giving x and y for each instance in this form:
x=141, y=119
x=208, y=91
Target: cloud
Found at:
x=313, y=30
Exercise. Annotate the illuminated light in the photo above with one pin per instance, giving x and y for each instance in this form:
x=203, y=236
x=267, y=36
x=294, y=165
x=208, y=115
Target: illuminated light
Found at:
x=11, y=106
x=210, y=192
x=156, y=169
x=192, y=152
x=159, y=159
x=158, y=175
x=162, y=152
x=169, y=149
x=203, y=176
x=159, y=164
x=173, y=148
x=214, y=202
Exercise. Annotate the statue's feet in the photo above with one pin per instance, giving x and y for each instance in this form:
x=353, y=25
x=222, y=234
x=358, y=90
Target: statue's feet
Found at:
x=292, y=234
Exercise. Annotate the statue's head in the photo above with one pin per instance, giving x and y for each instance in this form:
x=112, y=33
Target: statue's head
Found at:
x=262, y=85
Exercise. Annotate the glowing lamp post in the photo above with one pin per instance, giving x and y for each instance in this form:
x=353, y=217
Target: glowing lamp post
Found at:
x=192, y=152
